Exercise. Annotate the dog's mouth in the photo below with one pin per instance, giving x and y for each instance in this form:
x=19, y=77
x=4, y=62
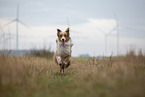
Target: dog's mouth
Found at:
x=63, y=42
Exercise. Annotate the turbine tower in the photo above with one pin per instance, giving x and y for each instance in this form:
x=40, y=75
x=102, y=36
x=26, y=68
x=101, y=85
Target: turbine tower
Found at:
x=17, y=26
x=117, y=34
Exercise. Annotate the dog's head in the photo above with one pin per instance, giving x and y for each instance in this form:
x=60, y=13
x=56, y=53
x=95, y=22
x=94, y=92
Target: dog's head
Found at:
x=63, y=37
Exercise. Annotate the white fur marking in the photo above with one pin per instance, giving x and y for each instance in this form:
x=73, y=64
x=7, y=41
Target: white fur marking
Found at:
x=64, y=50
x=63, y=38
x=59, y=60
x=62, y=71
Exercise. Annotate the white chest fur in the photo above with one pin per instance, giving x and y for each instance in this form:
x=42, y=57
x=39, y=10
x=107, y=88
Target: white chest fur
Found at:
x=63, y=50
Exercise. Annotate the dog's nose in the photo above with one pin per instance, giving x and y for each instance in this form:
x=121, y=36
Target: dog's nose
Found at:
x=62, y=39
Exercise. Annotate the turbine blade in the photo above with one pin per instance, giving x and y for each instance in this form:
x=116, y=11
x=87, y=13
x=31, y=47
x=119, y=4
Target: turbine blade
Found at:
x=101, y=30
x=113, y=29
x=67, y=21
x=23, y=23
x=115, y=16
x=2, y=29
x=11, y=22
x=75, y=31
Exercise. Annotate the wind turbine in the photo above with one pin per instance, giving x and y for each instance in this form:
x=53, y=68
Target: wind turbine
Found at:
x=17, y=26
x=117, y=34
x=3, y=36
x=9, y=38
x=6, y=37
x=105, y=37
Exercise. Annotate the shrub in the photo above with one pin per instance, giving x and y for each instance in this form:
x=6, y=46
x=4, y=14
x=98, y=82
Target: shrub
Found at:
x=46, y=53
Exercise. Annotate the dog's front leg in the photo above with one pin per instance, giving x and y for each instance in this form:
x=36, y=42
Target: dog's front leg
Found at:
x=62, y=68
x=60, y=63
x=66, y=61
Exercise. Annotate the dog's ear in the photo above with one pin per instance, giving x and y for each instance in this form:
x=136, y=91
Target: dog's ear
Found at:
x=67, y=31
x=58, y=30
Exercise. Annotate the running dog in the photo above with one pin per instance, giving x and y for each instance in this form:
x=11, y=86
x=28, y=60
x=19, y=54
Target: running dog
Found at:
x=63, y=52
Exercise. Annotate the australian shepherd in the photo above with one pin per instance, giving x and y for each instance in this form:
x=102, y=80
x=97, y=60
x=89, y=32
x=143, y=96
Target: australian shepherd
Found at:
x=63, y=52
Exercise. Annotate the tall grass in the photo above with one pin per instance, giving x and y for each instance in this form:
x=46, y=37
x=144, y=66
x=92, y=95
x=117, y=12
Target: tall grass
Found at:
x=30, y=76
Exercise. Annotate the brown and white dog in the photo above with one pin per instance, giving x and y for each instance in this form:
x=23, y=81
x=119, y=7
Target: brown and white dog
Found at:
x=63, y=49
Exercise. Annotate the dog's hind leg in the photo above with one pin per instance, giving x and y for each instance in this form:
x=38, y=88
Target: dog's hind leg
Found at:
x=61, y=71
x=62, y=68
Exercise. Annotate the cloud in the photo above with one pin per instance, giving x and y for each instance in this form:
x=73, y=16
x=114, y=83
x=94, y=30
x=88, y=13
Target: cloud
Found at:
x=37, y=35
x=94, y=27
x=86, y=36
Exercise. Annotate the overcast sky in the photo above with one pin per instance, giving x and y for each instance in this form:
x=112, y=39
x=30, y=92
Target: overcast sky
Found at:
x=87, y=19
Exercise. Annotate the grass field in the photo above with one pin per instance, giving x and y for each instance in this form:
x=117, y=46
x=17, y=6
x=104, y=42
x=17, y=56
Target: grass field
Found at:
x=26, y=76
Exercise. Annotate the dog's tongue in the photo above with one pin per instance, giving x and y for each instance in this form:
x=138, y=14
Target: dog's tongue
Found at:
x=63, y=42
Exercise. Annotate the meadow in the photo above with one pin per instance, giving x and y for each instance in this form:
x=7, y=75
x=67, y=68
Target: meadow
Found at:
x=30, y=76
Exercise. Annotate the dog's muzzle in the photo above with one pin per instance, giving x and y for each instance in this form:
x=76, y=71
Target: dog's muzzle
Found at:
x=63, y=41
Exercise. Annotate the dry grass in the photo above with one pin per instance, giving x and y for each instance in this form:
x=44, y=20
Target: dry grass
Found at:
x=27, y=76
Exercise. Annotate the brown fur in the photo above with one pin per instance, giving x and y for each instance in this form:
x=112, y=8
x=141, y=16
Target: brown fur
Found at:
x=60, y=34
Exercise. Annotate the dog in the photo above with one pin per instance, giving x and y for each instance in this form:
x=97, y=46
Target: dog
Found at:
x=63, y=52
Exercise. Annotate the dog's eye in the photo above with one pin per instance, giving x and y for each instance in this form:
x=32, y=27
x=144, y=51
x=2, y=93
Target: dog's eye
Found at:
x=60, y=35
x=64, y=35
